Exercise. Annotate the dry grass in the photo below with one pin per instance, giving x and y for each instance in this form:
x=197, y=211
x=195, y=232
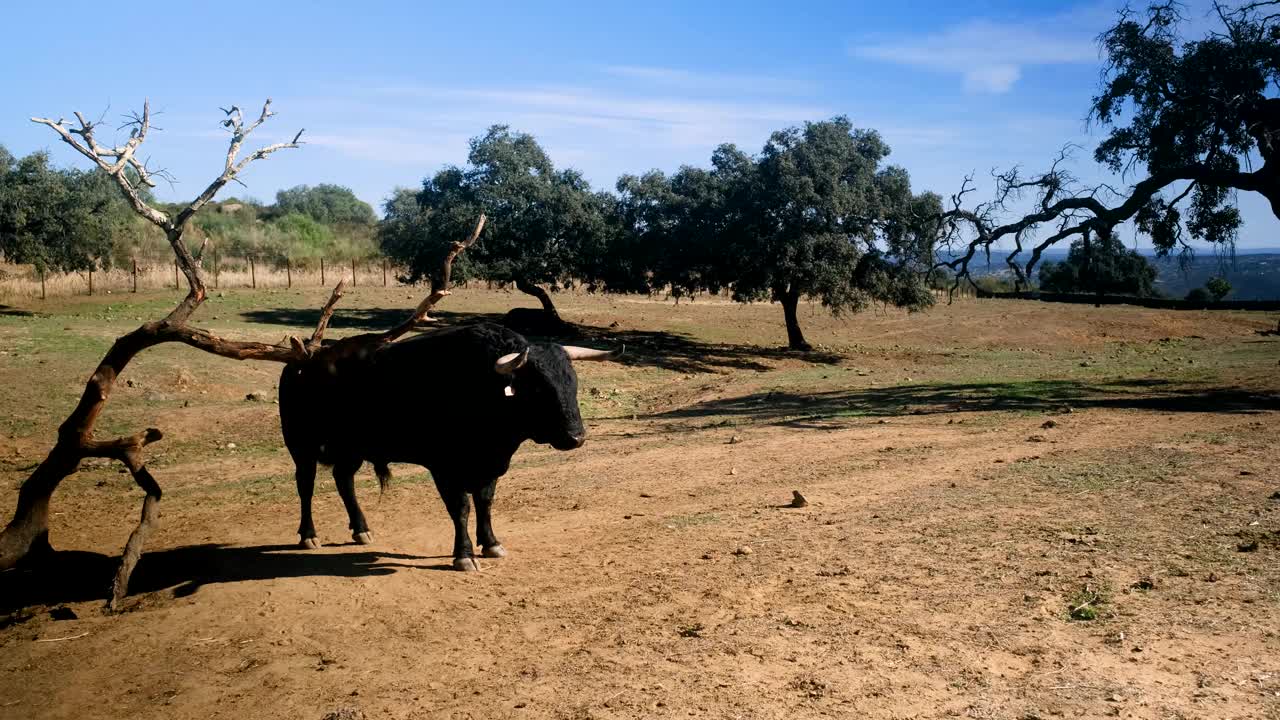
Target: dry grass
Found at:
x=24, y=282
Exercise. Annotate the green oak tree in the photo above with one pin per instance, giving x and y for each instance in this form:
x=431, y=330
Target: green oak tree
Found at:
x=540, y=217
x=1192, y=118
x=1218, y=287
x=1103, y=266
x=817, y=214
x=58, y=219
x=326, y=204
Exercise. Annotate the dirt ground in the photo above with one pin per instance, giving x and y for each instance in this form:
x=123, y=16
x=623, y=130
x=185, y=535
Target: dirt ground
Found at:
x=1015, y=510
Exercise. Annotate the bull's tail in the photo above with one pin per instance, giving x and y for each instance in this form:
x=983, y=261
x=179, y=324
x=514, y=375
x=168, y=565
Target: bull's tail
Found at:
x=383, y=471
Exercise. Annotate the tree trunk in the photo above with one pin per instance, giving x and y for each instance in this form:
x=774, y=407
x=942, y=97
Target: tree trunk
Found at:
x=790, y=299
x=548, y=307
x=28, y=531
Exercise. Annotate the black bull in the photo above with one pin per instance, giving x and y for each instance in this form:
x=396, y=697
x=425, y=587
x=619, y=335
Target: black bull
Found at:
x=457, y=401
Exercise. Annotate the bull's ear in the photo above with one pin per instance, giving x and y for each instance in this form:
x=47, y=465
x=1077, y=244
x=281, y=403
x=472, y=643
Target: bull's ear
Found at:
x=511, y=362
x=581, y=353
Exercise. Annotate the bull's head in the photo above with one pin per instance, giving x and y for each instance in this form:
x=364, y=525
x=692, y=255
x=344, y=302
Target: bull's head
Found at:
x=544, y=389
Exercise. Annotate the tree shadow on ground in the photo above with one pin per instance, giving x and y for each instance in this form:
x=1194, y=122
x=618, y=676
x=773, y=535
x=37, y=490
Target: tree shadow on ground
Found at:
x=682, y=353
x=674, y=351
x=362, y=319
x=77, y=576
x=817, y=409
x=7, y=311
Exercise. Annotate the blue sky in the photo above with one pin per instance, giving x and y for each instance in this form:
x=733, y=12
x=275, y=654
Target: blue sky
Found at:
x=390, y=91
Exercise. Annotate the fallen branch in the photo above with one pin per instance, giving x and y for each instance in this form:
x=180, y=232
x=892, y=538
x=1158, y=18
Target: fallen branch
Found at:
x=69, y=637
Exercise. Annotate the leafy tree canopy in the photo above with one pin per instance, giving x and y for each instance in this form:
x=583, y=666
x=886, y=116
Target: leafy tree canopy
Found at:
x=1102, y=266
x=325, y=203
x=58, y=219
x=540, y=218
x=816, y=214
x=1218, y=287
x=1193, y=119
x=1195, y=110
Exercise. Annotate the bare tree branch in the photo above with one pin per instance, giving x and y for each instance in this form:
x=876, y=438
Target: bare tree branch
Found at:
x=1076, y=210
x=325, y=314
x=29, y=527
x=439, y=287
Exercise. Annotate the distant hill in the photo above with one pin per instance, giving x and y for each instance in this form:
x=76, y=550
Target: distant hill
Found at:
x=1254, y=274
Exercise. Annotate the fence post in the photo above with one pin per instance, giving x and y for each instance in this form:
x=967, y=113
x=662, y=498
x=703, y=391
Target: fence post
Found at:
x=288, y=271
x=90, y=281
x=215, y=267
x=135, y=275
x=353, y=272
x=322, y=271
x=42, y=284
x=175, y=275
x=384, y=272
x=253, y=274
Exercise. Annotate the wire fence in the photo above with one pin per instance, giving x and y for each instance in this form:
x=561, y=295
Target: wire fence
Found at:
x=24, y=281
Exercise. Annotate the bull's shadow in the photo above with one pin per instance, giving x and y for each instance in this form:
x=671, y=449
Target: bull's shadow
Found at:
x=76, y=576
x=674, y=351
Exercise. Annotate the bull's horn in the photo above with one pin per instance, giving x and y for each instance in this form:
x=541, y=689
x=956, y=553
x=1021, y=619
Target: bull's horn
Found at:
x=581, y=353
x=511, y=362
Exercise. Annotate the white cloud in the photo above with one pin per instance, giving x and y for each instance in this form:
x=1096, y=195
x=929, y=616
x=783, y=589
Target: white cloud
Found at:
x=689, y=80
x=990, y=56
x=994, y=79
x=394, y=146
x=602, y=131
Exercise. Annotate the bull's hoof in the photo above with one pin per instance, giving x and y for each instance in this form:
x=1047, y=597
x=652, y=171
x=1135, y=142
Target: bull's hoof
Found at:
x=309, y=544
x=363, y=538
x=495, y=551
x=466, y=564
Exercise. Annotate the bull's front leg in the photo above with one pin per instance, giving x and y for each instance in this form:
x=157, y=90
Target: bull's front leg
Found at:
x=458, y=504
x=492, y=547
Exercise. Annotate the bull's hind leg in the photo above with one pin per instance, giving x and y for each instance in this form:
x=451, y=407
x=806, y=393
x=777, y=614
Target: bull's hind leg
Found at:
x=484, y=521
x=458, y=504
x=305, y=475
x=344, y=474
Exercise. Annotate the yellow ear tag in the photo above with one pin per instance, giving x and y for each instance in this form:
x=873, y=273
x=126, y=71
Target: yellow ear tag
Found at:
x=509, y=391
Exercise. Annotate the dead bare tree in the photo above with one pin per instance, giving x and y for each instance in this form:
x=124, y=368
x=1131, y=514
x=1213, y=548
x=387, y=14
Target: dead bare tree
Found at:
x=27, y=534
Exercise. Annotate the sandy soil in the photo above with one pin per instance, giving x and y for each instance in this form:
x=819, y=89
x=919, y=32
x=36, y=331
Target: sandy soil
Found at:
x=1015, y=510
